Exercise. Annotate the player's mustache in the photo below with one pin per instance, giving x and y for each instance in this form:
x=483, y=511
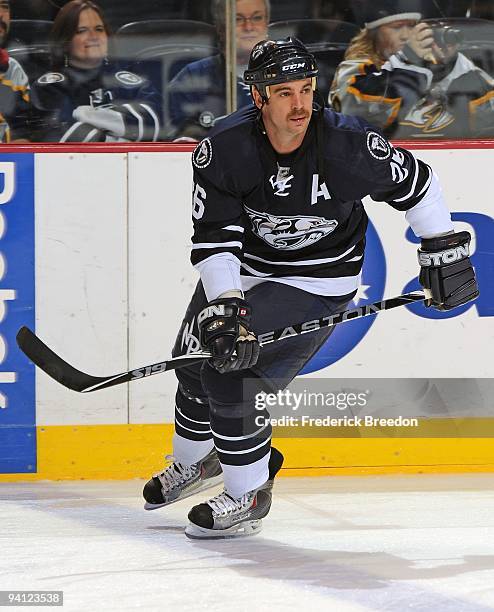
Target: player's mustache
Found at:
x=299, y=114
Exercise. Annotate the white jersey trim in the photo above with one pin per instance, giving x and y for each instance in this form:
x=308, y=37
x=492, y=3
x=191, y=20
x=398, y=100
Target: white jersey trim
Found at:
x=319, y=286
x=216, y=245
x=205, y=431
x=254, y=272
x=252, y=435
x=189, y=419
x=303, y=262
x=426, y=185
x=431, y=215
x=414, y=184
x=234, y=228
x=243, y=451
x=219, y=273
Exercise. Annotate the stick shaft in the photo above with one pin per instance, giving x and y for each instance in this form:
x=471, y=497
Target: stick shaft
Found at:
x=341, y=317
x=64, y=373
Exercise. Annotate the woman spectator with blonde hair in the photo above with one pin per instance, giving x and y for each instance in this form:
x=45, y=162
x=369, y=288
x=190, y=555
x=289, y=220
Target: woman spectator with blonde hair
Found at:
x=408, y=78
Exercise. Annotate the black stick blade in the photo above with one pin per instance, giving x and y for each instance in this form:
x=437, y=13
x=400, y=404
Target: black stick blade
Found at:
x=72, y=378
x=53, y=365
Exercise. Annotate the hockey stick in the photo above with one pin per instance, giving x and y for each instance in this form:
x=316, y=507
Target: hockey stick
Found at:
x=68, y=376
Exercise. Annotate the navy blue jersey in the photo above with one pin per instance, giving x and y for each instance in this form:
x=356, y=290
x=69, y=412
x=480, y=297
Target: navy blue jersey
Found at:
x=299, y=216
x=55, y=96
x=197, y=97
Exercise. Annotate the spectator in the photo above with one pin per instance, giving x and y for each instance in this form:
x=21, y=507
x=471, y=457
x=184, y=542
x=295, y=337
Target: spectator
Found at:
x=86, y=97
x=410, y=80
x=14, y=88
x=197, y=95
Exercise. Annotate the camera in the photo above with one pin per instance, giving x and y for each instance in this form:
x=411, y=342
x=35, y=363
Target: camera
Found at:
x=445, y=35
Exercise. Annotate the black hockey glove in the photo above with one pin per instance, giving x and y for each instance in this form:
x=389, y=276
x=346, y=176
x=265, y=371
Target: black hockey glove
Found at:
x=224, y=330
x=446, y=270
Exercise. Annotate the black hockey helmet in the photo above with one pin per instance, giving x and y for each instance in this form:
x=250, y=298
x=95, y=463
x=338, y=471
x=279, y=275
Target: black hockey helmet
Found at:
x=278, y=61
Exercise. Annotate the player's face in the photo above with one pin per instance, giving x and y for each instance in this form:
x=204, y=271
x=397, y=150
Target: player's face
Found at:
x=4, y=20
x=289, y=109
x=252, y=26
x=90, y=42
x=392, y=37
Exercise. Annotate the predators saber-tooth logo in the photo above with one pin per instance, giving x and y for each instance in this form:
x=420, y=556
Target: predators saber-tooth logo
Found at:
x=289, y=233
x=429, y=116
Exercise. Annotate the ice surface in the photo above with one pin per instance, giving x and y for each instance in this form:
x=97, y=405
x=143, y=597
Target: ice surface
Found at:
x=344, y=544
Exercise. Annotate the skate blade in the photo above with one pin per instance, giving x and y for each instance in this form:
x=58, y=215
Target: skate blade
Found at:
x=242, y=530
x=203, y=485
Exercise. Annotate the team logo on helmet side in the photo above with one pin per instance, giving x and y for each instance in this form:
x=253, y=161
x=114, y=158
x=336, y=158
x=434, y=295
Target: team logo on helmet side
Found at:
x=128, y=78
x=51, y=77
x=257, y=51
x=289, y=233
x=378, y=146
x=203, y=154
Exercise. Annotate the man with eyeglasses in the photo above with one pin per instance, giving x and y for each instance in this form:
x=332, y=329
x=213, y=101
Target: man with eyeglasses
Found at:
x=197, y=95
x=252, y=26
x=14, y=88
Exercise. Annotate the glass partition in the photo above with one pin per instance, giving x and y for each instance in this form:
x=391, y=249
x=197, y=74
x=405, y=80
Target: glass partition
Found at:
x=409, y=90
x=163, y=70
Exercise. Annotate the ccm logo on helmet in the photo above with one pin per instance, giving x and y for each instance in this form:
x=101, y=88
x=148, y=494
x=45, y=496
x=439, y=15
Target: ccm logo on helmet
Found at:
x=444, y=257
x=293, y=66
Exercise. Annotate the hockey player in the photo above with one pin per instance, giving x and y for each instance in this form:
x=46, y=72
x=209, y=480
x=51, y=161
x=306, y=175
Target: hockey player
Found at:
x=279, y=235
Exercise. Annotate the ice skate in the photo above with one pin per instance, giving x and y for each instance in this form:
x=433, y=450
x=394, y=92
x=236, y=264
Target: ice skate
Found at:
x=178, y=481
x=224, y=516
